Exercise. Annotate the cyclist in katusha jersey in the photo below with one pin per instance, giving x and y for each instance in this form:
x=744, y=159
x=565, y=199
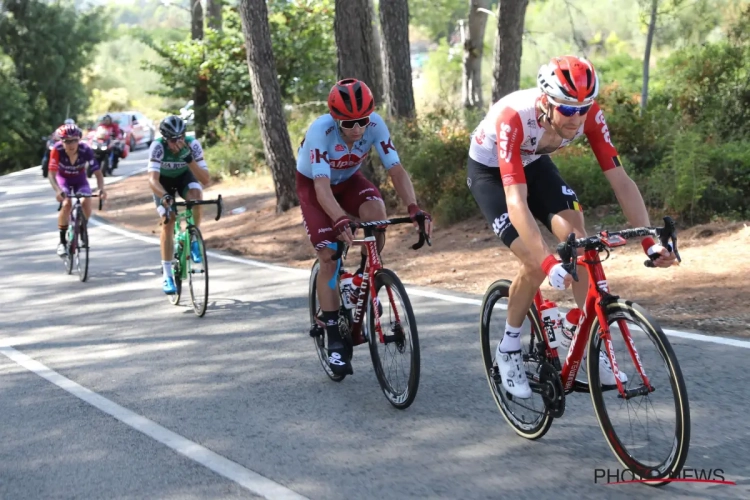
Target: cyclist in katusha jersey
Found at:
x=514, y=181
x=68, y=161
x=175, y=165
x=332, y=190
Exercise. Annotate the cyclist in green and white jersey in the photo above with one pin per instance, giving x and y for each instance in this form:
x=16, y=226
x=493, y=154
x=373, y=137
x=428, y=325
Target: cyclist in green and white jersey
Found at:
x=175, y=165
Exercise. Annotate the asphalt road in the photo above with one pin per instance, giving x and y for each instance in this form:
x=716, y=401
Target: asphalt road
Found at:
x=108, y=391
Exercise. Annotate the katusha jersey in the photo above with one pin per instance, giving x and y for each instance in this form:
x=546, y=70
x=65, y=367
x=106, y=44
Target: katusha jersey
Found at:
x=510, y=133
x=323, y=152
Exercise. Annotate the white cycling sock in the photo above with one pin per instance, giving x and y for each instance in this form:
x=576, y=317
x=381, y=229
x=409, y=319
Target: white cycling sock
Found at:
x=167, y=268
x=512, y=339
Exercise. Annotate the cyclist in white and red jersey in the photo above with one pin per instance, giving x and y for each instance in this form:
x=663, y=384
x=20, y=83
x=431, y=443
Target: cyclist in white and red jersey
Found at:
x=514, y=181
x=332, y=190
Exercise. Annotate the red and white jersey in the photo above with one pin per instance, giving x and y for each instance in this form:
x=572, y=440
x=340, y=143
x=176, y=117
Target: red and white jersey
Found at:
x=510, y=133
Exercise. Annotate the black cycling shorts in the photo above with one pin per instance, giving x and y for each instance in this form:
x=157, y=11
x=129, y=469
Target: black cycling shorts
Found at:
x=180, y=184
x=548, y=195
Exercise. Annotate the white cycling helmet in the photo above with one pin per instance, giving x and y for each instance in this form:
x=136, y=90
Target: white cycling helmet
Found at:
x=569, y=80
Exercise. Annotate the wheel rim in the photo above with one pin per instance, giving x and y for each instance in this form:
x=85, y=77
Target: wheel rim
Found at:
x=319, y=342
x=198, y=276
x=528, y=416
x=646, y=432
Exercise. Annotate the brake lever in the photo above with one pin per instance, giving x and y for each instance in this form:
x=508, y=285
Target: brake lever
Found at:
x=423, y=238
x=219, y=208
x=566, y=252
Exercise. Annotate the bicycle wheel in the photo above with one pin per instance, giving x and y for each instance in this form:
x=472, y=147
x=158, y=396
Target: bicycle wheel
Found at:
x=177, y=271
x=197, y=273
x=70, y=248
x=82, y=248
x=649, y=432
x=530, y=418
x=396, y=356
x=318, y=330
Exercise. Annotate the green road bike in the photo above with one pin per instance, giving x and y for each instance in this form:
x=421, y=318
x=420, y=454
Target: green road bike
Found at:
x=185, y=267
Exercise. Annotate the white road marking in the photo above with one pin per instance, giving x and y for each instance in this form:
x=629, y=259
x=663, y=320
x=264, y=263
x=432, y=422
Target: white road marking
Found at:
x=233, y=471
x=420, y=293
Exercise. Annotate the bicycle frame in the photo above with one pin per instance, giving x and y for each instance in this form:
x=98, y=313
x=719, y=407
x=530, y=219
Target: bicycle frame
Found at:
x=73, y=217
x=182, y=238
x=597, y=298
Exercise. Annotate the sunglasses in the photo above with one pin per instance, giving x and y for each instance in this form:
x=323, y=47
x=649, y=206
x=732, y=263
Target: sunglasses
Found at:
x=349, y=124
x=70, y=141
x=173, y=140
x=572, y=110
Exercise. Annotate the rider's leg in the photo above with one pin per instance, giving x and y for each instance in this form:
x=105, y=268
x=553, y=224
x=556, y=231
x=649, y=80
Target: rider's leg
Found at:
x=195, y=192
x=86, y=205
x=359, y=196
x=369, y=211
x=562, y=224
x=63, y=216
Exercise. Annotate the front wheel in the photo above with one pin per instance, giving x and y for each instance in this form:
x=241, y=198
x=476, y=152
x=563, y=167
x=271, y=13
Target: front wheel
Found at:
x=82, y=248
x=649, y=429
x=393, y=339
x=197, y=271
x=530, y=418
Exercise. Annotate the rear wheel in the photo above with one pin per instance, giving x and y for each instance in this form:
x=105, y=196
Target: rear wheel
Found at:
x=177, y=271
x=317, y=328
x=197, y=273
x=396, y=357
x=82, y=248
x=649, y=432
x=70, y=249
x=530, y=418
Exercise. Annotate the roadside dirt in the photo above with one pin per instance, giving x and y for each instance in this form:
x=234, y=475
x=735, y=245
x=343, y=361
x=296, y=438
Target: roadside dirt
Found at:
x=706, y=293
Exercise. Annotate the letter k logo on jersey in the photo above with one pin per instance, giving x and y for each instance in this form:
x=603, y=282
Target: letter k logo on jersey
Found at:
x=387, y=145
x=321, y=156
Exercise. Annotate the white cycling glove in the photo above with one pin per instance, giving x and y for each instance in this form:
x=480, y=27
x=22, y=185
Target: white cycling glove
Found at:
x=554, y=270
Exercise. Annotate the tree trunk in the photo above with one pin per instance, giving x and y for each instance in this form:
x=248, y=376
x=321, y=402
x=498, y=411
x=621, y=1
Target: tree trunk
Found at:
x=508, y=47
x=213, y=8
x=353, y=26
x=473, y=49
x=267, y=99
x=200, y=94
x=399, y=92
x=647, y=55
x=377, y=52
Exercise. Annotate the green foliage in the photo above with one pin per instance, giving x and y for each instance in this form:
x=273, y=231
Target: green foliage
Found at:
x=49, y=44
x=434, y=150
x=304, y=50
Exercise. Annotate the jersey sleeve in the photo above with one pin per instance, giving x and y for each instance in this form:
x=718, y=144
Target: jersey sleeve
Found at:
x=383, y=142
x=155, y=155
x=315, y=149
x=509, y=129
x=597, y=133
x=54, y=160
x=197, y=151
x=91, y=160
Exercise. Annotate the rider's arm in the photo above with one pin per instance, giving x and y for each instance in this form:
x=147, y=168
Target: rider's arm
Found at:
x=54, y=161
x=627, y=192
x=509, y=130
x=155, y=155
x=391, y=162
x=198, y=166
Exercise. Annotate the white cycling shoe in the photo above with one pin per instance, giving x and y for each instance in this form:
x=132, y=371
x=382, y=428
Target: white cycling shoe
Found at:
x=606, y=375
x=512, y=373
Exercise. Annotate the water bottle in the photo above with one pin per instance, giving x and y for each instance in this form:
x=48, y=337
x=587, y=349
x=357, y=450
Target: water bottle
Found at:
x=551, y=323
x=345, y=284
x=570, y=324
x=354, y=289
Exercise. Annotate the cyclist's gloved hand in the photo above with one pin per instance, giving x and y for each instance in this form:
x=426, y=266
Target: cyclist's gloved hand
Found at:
x=559, y=278
x=60, y=196
x=341, y=228
x=166, y=200
x=660, y=256
x=415, y=212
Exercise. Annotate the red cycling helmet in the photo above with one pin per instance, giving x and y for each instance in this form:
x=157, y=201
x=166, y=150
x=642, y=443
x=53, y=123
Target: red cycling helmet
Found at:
x=69, y=131
x=569, y=80
x=350, y=99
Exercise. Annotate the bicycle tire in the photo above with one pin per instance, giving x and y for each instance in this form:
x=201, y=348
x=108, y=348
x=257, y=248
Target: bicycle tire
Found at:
x=659, y=474
x=198, y=298
x=320, y=341
x=174, y=299
x=82, y=249
x=399, y=398
x=70, y=248
x=529, y=430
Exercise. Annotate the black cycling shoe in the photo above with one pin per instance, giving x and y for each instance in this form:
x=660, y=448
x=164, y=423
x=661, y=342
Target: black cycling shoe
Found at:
x=338, y=361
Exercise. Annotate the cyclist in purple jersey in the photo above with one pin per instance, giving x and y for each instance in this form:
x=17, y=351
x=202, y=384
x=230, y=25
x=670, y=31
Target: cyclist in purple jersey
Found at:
x=68, y=162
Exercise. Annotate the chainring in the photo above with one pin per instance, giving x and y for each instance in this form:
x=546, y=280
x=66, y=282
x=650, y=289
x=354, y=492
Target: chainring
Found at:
x=554, y=396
